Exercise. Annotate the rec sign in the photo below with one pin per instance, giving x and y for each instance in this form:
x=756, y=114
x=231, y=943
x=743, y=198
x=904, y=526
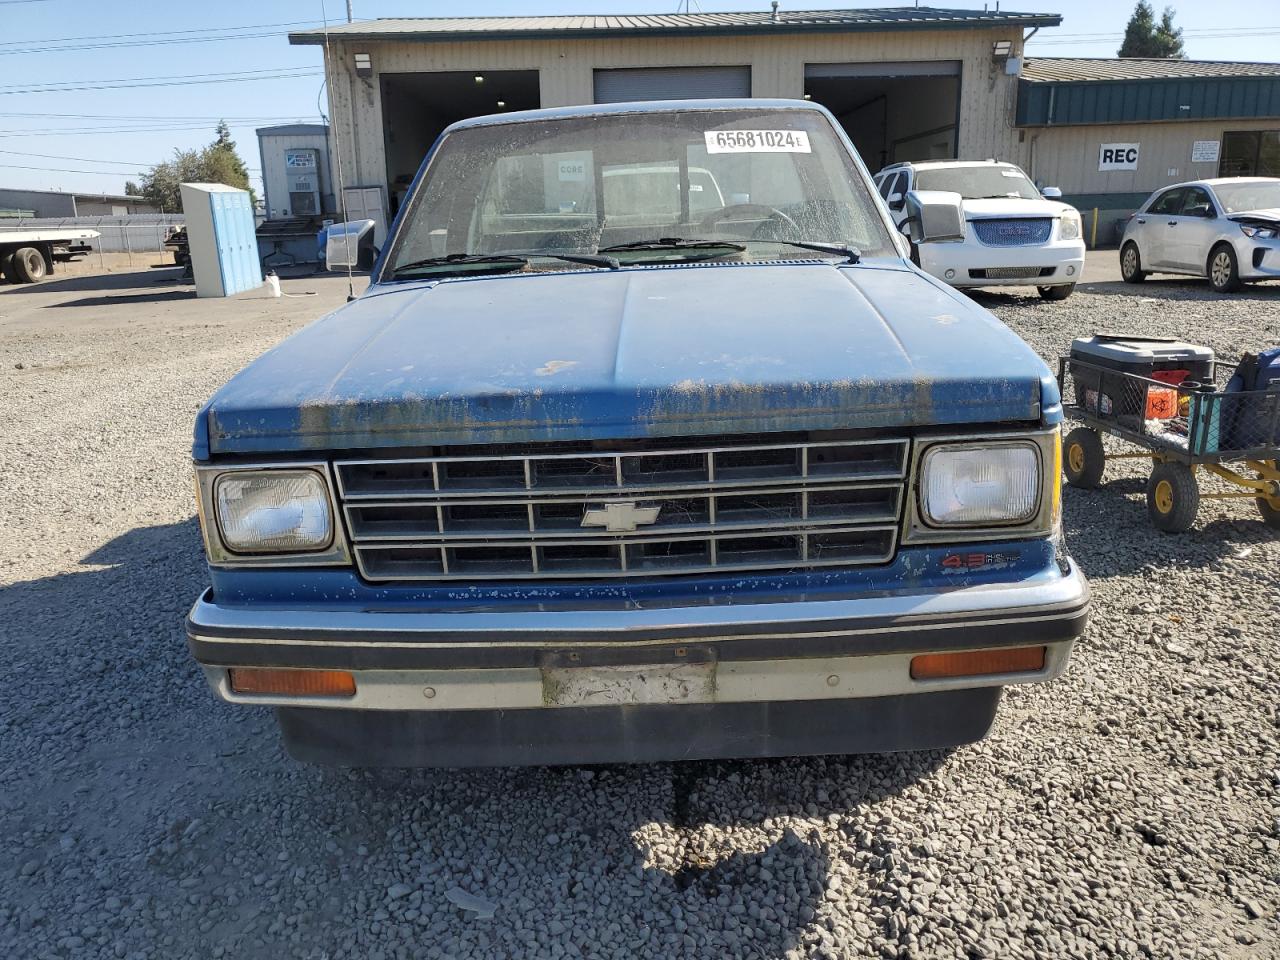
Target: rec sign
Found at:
x=1118, y=156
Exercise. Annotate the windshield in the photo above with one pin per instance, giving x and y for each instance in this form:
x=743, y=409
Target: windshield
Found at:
x=978, y=183
x=752, y=179
x=1249, y=195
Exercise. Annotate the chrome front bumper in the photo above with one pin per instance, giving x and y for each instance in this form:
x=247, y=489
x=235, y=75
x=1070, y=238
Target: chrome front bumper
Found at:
x=726, y=653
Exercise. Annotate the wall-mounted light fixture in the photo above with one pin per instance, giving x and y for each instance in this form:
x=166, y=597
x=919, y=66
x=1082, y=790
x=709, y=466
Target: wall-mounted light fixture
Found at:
x=479, y=78
x=1001, y=49
x=502, y=103
x=364, y=65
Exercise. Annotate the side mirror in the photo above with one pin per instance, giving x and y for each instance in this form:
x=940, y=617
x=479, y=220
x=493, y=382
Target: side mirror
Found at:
x=343, y=243
x=895, y=201
x=1051, y=193
x=934, y=216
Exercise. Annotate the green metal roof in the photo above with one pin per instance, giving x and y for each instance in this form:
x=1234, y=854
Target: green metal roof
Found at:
x=1071, y=69
x=747, y=23
x=1068, y=91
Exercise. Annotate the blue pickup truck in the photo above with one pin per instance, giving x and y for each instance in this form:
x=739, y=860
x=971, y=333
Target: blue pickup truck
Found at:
x=646, y=441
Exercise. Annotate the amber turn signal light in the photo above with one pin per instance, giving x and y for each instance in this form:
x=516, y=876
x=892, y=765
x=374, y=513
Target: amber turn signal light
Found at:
x=977, y=663
x=292, y=683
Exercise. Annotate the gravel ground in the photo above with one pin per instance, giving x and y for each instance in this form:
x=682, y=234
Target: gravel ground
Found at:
x=1128, y=809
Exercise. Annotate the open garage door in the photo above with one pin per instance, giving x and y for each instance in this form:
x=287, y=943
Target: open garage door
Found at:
x=892, y=111
x=671, y=83
x=416, y=107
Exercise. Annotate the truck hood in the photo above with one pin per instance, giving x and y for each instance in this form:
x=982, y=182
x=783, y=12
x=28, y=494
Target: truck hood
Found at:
x=657, y=351
x=1011, y=207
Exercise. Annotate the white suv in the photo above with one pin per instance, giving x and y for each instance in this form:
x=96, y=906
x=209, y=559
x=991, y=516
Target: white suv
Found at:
x=1014, y=236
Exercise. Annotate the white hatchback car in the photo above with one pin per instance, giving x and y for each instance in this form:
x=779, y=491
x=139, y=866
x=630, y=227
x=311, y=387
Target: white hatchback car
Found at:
x=1014, y=235
x=1227, y=229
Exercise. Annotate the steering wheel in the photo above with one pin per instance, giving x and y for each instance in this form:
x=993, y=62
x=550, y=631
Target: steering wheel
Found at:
x=748, y=211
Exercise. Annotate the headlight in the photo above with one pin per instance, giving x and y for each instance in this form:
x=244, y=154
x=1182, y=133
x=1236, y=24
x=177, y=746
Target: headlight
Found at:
x=971, y=484
x=1259, y=233
x=1069, y=227
x=273, y=511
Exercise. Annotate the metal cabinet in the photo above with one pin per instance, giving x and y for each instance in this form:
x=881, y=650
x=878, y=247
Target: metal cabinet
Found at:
x=221, y=234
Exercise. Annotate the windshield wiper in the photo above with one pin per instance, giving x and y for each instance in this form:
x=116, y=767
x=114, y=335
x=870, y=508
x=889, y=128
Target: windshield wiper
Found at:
x=499, y=261
x=677, y=244
x=851, y=254
x=591, y=259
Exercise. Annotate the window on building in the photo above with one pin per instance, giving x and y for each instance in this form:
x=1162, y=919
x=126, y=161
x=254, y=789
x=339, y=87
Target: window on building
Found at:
x=1250, y=153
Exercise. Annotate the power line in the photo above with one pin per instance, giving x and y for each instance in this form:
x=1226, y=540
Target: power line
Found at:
x=123, y=163
x=180, y=76
x=1087, y=38
x=120, y=44
x=59, y=156
x=296, y=72
x=97, y=173
x=131, y=116
x=1196, y=32
x=158, y=33
x=108, y=131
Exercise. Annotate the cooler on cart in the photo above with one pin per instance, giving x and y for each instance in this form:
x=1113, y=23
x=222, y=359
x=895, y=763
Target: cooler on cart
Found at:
x=1105, y=363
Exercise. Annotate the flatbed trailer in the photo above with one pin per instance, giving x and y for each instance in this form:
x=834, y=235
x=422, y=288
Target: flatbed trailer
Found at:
x=28, y=256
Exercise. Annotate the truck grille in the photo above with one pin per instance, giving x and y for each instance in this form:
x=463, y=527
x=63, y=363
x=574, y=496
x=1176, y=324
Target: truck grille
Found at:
x=1010, y=273
x=627, y=512
x=1013, y=232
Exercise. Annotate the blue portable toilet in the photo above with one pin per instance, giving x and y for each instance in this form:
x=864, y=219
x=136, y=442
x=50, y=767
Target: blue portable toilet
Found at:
x=222, y=237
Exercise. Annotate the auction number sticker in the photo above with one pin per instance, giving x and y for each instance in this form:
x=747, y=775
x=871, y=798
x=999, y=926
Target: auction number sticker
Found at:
x=757, y=141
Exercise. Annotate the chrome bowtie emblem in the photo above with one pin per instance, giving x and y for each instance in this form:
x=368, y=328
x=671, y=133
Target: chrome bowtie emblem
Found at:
x=620, y=516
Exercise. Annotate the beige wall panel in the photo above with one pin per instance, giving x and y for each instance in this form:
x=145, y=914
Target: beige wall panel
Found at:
x=1067, y=157
x=777, y=70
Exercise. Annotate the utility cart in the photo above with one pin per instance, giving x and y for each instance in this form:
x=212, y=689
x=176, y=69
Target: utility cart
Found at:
x=1185, y=412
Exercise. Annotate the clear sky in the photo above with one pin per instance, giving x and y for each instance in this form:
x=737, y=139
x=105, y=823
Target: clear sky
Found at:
x=93, y=91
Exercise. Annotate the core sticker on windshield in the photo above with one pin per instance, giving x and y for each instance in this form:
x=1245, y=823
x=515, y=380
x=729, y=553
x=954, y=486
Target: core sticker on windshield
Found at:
x=757, y=141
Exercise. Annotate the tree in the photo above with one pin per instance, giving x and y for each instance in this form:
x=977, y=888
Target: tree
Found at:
x=1144, y=38
x=217, y=163
x=131, y=189
x=223, y=163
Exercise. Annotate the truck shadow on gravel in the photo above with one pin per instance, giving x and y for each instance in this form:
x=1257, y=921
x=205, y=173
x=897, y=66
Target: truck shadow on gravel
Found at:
x=720, y=858
x=118, y=755
x=140, y=278
x=1109, y=533
x=110, y=300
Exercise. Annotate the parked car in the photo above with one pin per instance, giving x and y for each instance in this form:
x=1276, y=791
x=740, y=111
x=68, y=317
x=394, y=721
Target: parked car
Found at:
x=1014, y=235
x=735, y=482
x=1226, y=229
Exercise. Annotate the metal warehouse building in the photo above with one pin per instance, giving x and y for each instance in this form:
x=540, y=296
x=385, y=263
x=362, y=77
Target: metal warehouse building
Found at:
x=1109, y=132
x=906, y=83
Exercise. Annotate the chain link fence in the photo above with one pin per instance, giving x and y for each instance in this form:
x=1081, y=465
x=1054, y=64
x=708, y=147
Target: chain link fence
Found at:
x=141, y=233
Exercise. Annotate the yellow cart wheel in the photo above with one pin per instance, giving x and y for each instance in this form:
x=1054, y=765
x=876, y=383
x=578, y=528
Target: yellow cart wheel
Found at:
x=1083, y=458
x=1269, y=507
x=1173, y=497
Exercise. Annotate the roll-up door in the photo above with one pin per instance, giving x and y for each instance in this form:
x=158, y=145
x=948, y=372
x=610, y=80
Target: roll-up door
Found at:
x=671, y=83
